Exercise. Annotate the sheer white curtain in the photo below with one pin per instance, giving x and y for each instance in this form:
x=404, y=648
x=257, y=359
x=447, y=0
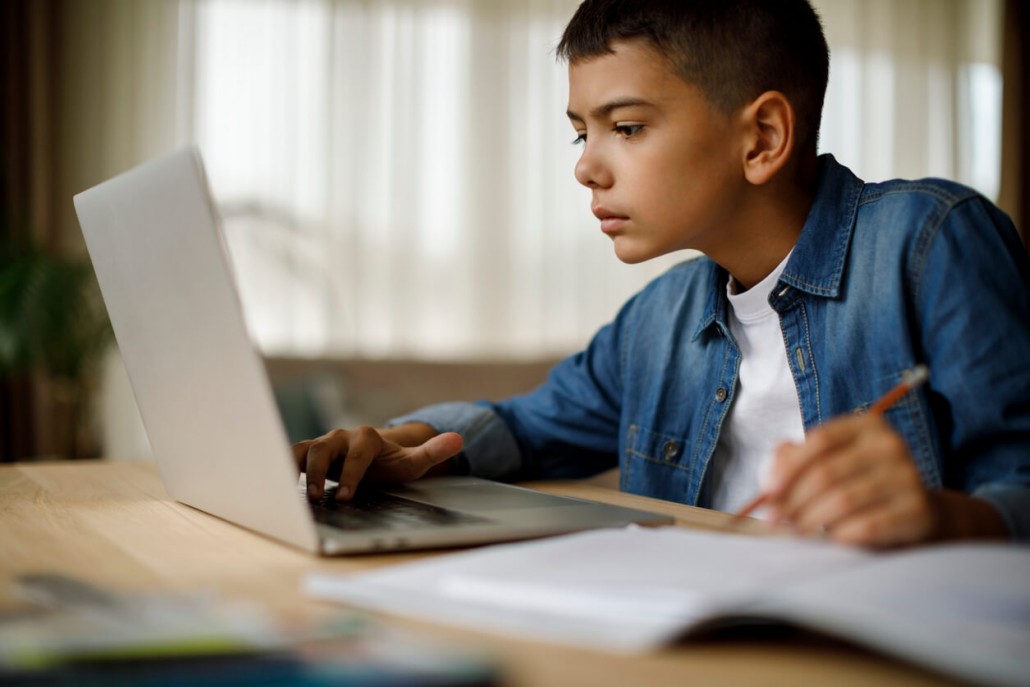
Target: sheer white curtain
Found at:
x=915, y=88
x=396, y=175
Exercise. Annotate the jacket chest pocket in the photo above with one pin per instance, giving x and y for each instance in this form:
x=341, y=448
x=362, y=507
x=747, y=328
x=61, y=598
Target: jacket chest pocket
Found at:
x=645, y=444
x=655, y=464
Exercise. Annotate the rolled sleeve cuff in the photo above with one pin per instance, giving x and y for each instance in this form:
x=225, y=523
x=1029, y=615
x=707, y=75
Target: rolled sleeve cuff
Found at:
x=490, y=448
x=1013, y=503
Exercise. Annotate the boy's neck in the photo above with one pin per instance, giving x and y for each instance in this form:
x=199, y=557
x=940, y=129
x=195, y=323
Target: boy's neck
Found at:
x=769, y=223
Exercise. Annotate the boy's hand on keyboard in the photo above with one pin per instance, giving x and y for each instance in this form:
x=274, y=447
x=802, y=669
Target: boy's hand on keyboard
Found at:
x=388, y=456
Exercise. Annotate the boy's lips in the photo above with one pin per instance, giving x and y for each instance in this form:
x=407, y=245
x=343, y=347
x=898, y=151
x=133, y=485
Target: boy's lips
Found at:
x=610, y=221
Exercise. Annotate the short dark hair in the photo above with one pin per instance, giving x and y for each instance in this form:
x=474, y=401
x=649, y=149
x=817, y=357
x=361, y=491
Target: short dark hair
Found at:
x=732, y=50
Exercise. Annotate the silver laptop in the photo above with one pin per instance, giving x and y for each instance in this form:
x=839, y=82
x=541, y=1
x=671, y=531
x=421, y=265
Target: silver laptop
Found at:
x=154, y=237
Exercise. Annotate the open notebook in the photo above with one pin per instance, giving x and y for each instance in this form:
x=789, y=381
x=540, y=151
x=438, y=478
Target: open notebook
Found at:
x=963, y=610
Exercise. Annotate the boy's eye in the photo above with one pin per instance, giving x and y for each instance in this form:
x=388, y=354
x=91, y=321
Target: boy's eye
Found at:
x=580, y=138
x=627, y=130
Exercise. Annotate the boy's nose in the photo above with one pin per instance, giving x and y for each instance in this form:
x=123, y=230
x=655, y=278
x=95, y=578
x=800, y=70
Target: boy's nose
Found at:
x=590, y=172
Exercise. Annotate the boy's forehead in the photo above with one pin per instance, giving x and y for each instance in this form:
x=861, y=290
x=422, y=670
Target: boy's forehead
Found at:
x=632, y=70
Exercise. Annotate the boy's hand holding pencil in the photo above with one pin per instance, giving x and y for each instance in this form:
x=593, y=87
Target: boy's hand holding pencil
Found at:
x=852, y=479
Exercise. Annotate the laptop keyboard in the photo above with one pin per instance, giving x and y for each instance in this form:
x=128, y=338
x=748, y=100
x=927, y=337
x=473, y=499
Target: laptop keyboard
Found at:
x=376, y=510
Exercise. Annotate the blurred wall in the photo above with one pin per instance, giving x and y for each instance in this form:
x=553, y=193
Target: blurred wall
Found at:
x=88, y=90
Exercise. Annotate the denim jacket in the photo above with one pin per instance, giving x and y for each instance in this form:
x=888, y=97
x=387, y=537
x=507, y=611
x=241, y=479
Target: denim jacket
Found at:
x=883, y=277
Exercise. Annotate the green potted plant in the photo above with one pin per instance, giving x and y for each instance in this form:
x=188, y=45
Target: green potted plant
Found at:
x=53, y=322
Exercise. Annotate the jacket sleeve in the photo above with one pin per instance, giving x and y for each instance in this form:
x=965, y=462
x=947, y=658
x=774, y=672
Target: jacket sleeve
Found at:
x=973, y=296
x=568, y=427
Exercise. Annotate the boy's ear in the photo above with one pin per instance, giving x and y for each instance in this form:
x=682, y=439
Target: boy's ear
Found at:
x=769, y=136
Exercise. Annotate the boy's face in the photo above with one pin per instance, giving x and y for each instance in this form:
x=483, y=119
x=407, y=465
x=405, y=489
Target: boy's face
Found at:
x=664, y=166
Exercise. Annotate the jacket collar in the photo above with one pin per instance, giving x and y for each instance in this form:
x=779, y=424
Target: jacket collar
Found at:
x=817, y=264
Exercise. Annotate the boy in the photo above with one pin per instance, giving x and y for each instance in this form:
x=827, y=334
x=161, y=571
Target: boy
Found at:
x=698, y=121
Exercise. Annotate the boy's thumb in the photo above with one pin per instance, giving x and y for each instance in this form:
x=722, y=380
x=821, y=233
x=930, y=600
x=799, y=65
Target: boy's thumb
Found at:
x=442, y=446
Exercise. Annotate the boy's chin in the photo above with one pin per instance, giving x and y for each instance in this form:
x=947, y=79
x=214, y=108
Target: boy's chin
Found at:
x=632, y=253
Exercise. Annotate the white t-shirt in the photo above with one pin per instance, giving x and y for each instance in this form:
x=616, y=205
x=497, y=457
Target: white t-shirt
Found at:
x=765, y=410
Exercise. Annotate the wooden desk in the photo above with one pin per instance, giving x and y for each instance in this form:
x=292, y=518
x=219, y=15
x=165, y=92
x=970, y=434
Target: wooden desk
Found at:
x=113, y=524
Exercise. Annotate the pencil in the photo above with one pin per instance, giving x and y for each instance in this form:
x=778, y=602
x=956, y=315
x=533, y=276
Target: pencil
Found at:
x=910, y=379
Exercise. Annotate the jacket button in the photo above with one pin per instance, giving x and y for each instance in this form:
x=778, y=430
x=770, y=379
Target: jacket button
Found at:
x=720, y=394
x=669, y=449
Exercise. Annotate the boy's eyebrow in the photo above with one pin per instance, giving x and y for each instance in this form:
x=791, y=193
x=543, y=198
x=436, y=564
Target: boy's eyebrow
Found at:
x=606, y=109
